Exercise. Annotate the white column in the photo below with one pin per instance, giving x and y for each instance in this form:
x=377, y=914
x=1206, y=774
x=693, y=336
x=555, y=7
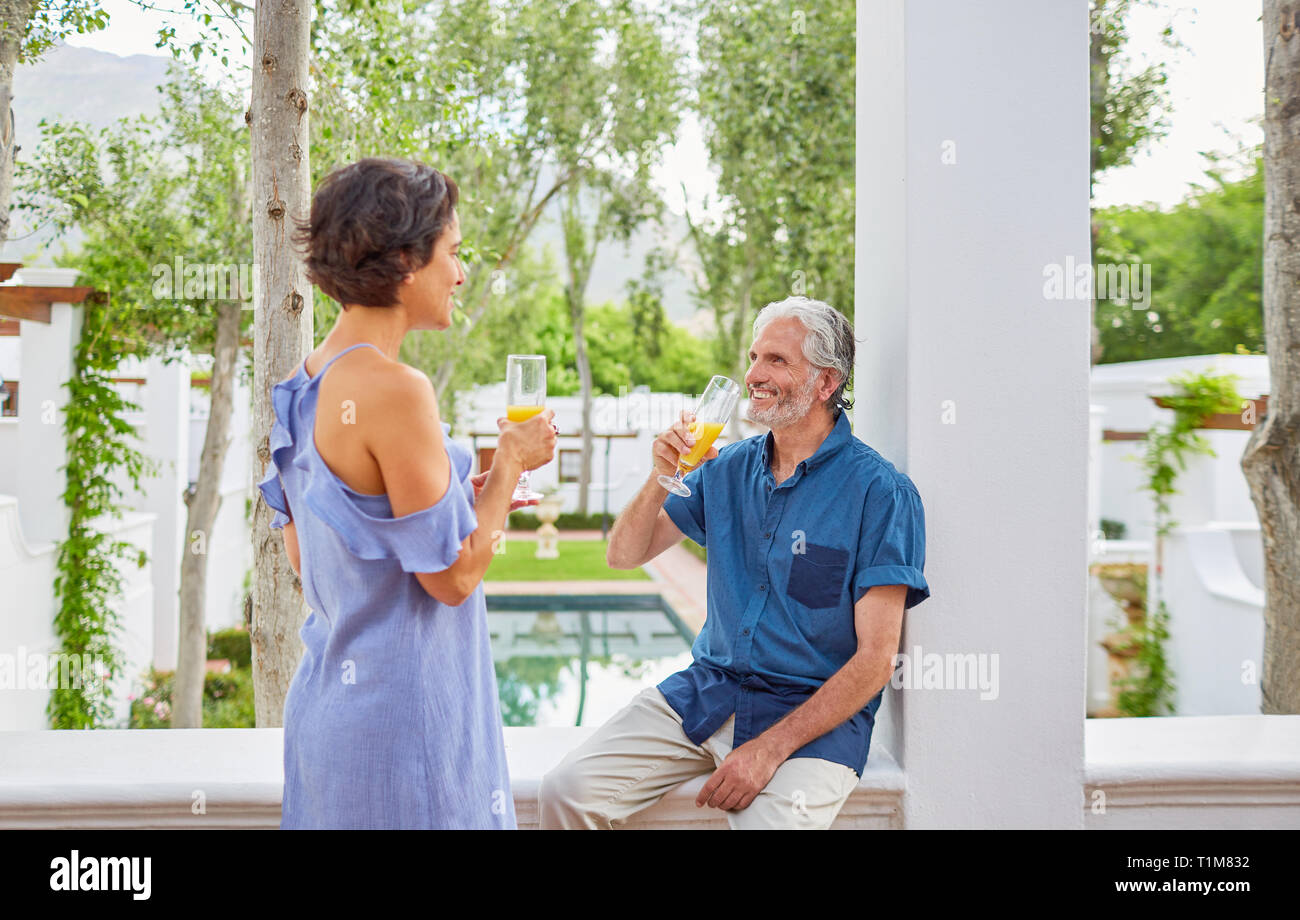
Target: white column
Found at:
x=972, y=177
x=48, y=353
x=166, y=402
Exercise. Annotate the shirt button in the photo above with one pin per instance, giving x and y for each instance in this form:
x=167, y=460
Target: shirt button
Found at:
x=745, y=632
x=762, y=587
x=768, y=535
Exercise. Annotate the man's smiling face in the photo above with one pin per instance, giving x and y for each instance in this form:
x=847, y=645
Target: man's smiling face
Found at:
x=781, y=383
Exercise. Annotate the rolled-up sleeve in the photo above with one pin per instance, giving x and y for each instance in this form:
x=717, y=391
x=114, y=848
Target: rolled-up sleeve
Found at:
x=891, y=549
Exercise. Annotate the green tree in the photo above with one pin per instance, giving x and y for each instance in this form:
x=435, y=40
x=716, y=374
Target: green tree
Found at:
x=28, y=28
x=1205, y=255
x=1128, y=106
x=144, y=193
x=603, y=98
x=775, y=94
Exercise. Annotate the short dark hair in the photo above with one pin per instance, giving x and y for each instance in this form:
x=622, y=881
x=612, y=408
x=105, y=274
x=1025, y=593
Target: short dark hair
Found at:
x=371, y=223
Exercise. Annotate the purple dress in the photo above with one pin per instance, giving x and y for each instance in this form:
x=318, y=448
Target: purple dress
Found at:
x=392, y=718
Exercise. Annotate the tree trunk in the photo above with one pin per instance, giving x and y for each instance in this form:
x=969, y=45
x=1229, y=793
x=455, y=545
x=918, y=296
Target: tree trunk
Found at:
x=580, y=254
x=584, y=376
x=14, y=15
x=1272, y=458
x=741, y=337
x=203, y=504
x=282, y=325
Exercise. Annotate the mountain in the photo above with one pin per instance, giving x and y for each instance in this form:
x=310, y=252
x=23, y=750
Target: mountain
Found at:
x=76, y=84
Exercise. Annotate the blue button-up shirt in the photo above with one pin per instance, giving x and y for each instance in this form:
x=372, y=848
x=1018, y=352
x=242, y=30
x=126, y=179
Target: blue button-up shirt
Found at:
x=787, y=563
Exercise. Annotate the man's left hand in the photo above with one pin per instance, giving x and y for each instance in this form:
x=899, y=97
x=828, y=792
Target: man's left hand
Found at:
x=744, y=773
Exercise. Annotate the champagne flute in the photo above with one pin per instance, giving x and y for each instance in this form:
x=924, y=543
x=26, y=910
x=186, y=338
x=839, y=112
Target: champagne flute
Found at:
x=525, y=397
x=711, y=416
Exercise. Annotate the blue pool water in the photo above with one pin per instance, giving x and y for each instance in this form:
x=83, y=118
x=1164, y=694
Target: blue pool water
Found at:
x=578, y=659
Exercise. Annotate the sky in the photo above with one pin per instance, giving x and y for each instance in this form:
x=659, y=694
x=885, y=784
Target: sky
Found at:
x=1216, y=88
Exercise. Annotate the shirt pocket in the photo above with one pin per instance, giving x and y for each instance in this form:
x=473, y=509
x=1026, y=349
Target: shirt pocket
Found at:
x=817, y=576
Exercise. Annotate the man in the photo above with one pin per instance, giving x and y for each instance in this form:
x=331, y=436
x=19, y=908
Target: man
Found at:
x=816, y=546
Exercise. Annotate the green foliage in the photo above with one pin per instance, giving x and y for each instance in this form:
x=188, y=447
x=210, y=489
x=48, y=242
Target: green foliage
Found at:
x=227, y=700
x=524, y=683
x=1168, y=449
x=525, y=522
x=1206, y=260
x=1149, y=691
x=144, y=193
x=628, y=345
x=51, y=22
x=235, y=645
x=1127, y=106
x=1112, y=530
x=776, y=101
x=88, y=579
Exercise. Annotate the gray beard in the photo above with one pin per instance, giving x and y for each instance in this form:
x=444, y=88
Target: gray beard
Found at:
x=789, y=409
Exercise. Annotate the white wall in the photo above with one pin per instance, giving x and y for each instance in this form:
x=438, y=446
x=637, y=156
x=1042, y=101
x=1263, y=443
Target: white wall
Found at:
x=230, y=546
x=28, y=607
x=1216, y=620
x=170, y=431
x=9, y=456
x=27, y=611
x=1211, y=488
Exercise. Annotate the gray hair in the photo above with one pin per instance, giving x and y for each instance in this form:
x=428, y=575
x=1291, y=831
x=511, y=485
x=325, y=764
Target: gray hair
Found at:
x=828, y=343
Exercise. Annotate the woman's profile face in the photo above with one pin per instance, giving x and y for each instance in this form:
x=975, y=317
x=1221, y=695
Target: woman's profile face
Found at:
x=430, y=294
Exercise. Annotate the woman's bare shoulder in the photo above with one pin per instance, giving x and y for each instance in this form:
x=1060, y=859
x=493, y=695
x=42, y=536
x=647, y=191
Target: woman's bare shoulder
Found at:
x=387, y=392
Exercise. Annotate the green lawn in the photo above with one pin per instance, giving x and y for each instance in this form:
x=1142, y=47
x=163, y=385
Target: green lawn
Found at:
x=580, y=560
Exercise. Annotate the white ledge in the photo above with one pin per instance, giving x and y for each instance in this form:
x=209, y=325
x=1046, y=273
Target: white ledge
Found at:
x=1193, y=771
x=159, y=779
x=1201, y=771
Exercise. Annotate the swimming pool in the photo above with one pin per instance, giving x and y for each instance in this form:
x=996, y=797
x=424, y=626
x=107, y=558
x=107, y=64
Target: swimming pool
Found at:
x=578, y=659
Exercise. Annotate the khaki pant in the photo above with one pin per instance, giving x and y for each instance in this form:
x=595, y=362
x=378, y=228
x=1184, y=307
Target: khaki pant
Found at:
x=642, y=753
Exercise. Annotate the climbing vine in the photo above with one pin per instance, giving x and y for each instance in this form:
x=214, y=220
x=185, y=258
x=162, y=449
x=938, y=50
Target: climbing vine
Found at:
x=88, y=580
x=1149, y=691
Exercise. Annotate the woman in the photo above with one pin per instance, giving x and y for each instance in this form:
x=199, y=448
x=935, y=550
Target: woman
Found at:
x=392, y=718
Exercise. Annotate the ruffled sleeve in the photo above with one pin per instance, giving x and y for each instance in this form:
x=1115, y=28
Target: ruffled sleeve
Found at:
x=428, y=540
x=273, y=493
x=281, y=446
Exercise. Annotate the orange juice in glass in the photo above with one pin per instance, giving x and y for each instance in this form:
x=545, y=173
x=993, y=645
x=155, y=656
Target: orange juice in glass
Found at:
x=705, y=433
x=521, y=413
x=525, y=397
x=711, y=416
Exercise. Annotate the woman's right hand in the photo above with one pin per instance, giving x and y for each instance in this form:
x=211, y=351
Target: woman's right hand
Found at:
x=531, y=443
